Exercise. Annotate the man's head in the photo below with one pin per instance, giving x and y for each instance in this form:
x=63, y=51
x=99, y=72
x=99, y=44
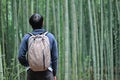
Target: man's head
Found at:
x=36, y=21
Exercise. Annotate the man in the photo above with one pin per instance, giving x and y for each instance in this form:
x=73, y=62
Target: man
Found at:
x=36, y=21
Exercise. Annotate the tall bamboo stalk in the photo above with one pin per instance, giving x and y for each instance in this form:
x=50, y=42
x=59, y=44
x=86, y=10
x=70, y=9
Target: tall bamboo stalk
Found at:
x=111, y=39
x=96, y=41
x=62, y=41
x=0, y=23
x=117, y=42
x=47, y=14
x=54, y=17
x=74, y=30
x=92, y=40
x=32, y=6
x=80, y=33
x=15, y=18
x=58, y=37
x=3, y=38
x=66, y=38
x=101, y=39
x=27, y=14
x=1, y=66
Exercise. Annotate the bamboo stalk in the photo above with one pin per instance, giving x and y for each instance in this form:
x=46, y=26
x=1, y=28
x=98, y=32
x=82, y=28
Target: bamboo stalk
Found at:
x=47, y=14
x=54, y=17
x=111, y=40
x=96, y=41
x=32, y=6
x=58, y=37
x=101, y=39
x=15, y=18
x=74, y=37
x=80, y=31
x=3, y=39
x=62, y=41
x=66, y=39
x=117, y=55
x=27, y=11
x=92, y=40
x=1, y=66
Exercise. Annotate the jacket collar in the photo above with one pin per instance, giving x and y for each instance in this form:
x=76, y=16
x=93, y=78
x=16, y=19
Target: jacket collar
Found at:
x=39, y=30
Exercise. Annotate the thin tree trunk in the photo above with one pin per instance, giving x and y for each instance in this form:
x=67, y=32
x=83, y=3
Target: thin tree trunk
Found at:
x=96, y=41
x=74, y=40
x=54, y=17
x=1, y=66
x=47, y=14
x=32, y=6
x=111, y=40
x=27, y=18
x=92, y=40
x=116, y=68
x=0, y=22
x=66, y=38
x=15, y=24
x=80, y=31
x=58, y=37
x=3, y=39
x=101, y=40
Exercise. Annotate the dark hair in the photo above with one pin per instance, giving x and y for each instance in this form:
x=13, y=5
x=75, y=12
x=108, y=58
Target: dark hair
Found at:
x=36, y=21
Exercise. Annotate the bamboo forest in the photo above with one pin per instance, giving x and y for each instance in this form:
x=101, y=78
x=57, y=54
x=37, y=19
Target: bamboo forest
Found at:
x=87, y=34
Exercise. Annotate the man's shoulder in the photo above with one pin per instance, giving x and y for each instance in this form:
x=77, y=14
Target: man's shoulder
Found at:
x=50, y=35
x=26, y=36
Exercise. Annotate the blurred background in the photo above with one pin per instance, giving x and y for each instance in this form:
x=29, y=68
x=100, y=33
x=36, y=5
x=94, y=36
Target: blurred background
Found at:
x=87, y=32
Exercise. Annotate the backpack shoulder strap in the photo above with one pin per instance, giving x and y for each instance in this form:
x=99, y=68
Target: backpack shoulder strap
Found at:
x=30, y=34
x=45, y=33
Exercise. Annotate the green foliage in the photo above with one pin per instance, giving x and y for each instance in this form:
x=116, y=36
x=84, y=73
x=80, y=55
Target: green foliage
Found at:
x=10, y=72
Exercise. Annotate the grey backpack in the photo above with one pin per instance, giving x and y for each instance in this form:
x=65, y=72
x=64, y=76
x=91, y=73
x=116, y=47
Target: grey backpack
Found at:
x=39, y=57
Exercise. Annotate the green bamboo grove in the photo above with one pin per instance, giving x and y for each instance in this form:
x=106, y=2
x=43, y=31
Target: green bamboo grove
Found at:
x=87, y=32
